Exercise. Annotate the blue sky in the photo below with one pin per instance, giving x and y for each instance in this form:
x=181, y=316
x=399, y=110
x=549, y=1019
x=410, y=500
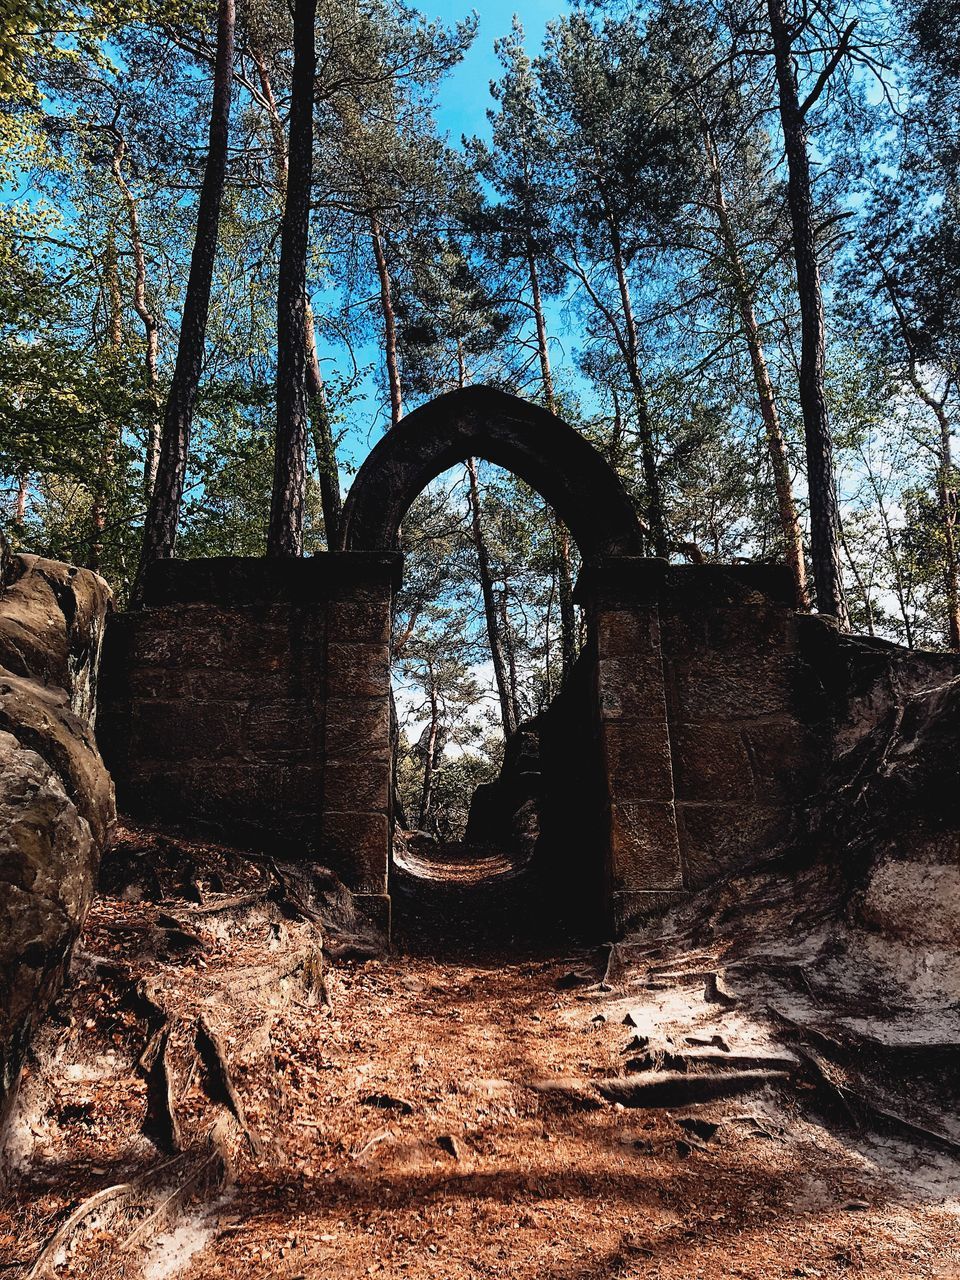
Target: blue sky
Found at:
x=463, y=99
x=465, y=94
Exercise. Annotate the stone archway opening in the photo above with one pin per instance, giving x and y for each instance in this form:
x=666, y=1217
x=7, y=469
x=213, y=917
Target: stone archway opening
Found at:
x=504, y=843
x=477, y=656
x=250, y=697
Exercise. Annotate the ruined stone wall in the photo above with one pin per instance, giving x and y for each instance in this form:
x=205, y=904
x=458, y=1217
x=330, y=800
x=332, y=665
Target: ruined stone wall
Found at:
x=251, y=698
x=713, y=727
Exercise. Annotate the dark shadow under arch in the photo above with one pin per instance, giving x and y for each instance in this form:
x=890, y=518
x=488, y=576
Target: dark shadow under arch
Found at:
x=484, y=422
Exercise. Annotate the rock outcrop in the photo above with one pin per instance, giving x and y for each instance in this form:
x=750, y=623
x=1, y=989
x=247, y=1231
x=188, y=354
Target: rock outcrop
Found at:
x=57, y=807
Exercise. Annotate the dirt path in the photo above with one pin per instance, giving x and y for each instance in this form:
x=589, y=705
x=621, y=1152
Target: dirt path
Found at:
x=419, y=1125
x=473, y=1174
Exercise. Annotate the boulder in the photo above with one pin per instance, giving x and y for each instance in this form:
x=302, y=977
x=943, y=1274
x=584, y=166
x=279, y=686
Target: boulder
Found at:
x=57, y=808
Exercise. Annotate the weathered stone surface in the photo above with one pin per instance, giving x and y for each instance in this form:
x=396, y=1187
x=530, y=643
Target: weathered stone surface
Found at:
x=41, y=719
x=362, y=668
x=56, y=798
x=51, y=627
x=711, y=760
x=729, y=687
x=718, y=838
x=357, y=729
x=48, y=857
x=359, y=621
x=644, y=849
x=631, y=687
x=916, y=901
x=628, y=633
x=355, y=845
x=786, y=758
x=186, y=729
x=637, y=760
x=355, y=787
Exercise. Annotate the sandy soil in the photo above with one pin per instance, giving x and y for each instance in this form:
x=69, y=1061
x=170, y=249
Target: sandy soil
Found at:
x=405, y=1132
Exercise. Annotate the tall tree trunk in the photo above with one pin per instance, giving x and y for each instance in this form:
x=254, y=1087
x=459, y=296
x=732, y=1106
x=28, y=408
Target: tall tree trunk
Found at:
x=568, y=618
x=163, y=514
x=429, y=760
x=507, y=709
x=511, y=656
x=790, y=527
x=20, y=503
x=543, y=349
x=108, y=444
x=945, y=499
x=946, y=506
x=323, y=443
x=821, y=478
x=948, y=520
x=285, y=535
x=651, y=477
x=389, y=322
x=151, y=327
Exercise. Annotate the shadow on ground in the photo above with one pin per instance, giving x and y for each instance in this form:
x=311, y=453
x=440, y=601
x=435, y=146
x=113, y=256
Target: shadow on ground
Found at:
x=457, y=901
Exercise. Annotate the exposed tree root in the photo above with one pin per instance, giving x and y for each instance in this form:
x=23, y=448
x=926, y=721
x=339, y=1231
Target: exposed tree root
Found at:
x=47, y=1254
x=220, y=1084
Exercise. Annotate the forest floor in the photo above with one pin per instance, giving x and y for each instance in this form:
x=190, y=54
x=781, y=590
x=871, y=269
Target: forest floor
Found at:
x=447, y=1111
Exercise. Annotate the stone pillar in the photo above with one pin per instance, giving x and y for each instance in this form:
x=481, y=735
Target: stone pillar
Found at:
x=357, y=825
x=644, y=874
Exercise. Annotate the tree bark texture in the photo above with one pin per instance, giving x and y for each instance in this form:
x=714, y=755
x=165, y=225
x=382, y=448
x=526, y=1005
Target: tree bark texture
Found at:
x=163, y=514
x=389, y=322
x=108, y=444
x=151, y=327
x=821, y=478
x=323, y=443
x=285, y=536
x=651, y=477
x=429, y=757
x=507, y=712
x=568, y=620
x=790, y=527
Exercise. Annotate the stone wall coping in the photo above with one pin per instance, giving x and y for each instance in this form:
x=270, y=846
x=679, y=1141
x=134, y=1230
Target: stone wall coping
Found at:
x=229, y=581
x=633, y=580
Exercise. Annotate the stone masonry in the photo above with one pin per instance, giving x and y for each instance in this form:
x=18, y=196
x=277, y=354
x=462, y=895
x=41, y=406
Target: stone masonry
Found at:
x=250, y=698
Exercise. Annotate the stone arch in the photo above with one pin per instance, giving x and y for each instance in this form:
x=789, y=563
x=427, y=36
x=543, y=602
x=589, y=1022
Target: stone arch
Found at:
x=487, y=423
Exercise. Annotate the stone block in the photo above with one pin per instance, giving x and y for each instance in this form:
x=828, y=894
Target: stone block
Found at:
x=162, y=791
x=694, y=628
x=215, y=684
x=186, y=730
x=786, y=758
x=356, y=846
x=238, y=790
x=718, y=838
x=358, y=621
x=357, y=670
x=711, y=763
x=631, y=687
x=632, y=910
x=636, y=758
x=301, y=787
x=645, y=853
x=623, y=633
x=208, y=641
x=730, y=687
x=364, y=787
x=357, y=729
x=374, y=911
x=288, y=727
